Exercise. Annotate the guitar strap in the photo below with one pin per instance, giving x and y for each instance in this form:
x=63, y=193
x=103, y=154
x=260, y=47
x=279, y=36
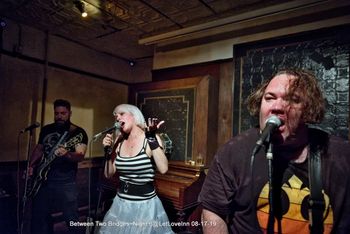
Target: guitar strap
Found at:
x=316, y=200
x=71, y=131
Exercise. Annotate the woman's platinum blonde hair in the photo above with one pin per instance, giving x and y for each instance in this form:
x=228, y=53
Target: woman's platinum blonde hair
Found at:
x=135, y=111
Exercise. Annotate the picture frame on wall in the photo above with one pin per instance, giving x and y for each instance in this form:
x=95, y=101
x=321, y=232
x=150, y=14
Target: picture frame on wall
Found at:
x=186, y=106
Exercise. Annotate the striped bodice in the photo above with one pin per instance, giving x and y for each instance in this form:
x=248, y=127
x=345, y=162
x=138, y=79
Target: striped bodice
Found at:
x=137, y=169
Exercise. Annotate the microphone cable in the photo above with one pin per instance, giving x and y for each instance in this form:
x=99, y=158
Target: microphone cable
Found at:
x=89, y=216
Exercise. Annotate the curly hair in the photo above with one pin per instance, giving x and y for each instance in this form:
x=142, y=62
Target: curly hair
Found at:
x=305, y=83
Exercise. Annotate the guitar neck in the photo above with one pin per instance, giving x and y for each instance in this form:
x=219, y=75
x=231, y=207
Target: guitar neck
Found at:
x=52, y=154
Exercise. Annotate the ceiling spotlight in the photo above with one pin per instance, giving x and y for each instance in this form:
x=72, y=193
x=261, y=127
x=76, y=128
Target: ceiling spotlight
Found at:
x=81, y=7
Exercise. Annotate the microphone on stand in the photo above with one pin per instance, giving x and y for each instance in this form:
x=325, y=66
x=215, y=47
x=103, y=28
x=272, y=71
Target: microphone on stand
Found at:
x=271, y=124
x=115, y=127
x=31, y=127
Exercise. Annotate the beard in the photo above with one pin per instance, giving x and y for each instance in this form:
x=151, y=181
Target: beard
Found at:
x=62, y=125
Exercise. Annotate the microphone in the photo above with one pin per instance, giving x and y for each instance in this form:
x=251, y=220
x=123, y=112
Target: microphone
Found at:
x=31, y=127
x=271, y=124
x=115, y=127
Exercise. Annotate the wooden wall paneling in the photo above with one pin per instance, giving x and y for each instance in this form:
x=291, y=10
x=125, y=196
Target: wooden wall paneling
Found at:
x=212, y=124
x=205, y=130
x=222, y=71
x=225, y=103
x=211, y=69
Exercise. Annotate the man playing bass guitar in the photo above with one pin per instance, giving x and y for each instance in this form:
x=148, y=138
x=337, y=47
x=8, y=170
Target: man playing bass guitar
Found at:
x=54, y=165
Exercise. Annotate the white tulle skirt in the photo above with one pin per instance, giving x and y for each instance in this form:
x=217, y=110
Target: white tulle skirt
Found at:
x=126, y=216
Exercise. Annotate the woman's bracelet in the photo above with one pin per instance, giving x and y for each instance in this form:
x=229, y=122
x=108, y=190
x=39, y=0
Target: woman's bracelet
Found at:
x=153, y=143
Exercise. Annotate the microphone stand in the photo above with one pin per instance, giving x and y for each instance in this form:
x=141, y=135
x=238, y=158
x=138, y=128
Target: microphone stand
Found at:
x=265, y=140
x=271, y=219
x=107, y=157
x=108, y=152
x=29, y=149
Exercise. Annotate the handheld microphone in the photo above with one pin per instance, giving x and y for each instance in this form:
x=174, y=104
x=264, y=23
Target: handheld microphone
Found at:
x=31, y=127
x=271, y=124
x=115, y=127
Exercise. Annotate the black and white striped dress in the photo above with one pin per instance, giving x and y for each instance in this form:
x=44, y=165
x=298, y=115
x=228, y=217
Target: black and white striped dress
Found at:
x=137, y=170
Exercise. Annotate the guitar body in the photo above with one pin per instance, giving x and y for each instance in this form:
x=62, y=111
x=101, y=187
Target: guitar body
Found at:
x=42, y=169
x=37, y=181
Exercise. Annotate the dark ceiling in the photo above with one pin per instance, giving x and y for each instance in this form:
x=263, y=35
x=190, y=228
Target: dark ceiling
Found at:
x=115, y=26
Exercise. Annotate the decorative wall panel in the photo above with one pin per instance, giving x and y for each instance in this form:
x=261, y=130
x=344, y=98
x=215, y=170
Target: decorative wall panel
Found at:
x=189, y=108
x=176, y=108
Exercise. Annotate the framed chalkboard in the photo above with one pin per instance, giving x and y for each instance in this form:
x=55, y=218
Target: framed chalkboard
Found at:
x=326, y=53
x=175, y=106
x=184, y=106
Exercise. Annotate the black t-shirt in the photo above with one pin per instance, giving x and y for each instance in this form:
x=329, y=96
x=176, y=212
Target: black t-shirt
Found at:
x=228, y=188
x=61, y=169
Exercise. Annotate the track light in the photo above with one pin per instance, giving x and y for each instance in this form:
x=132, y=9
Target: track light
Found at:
x=81, y=7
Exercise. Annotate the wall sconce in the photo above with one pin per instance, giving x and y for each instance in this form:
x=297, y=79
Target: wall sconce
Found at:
x=81, y=7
